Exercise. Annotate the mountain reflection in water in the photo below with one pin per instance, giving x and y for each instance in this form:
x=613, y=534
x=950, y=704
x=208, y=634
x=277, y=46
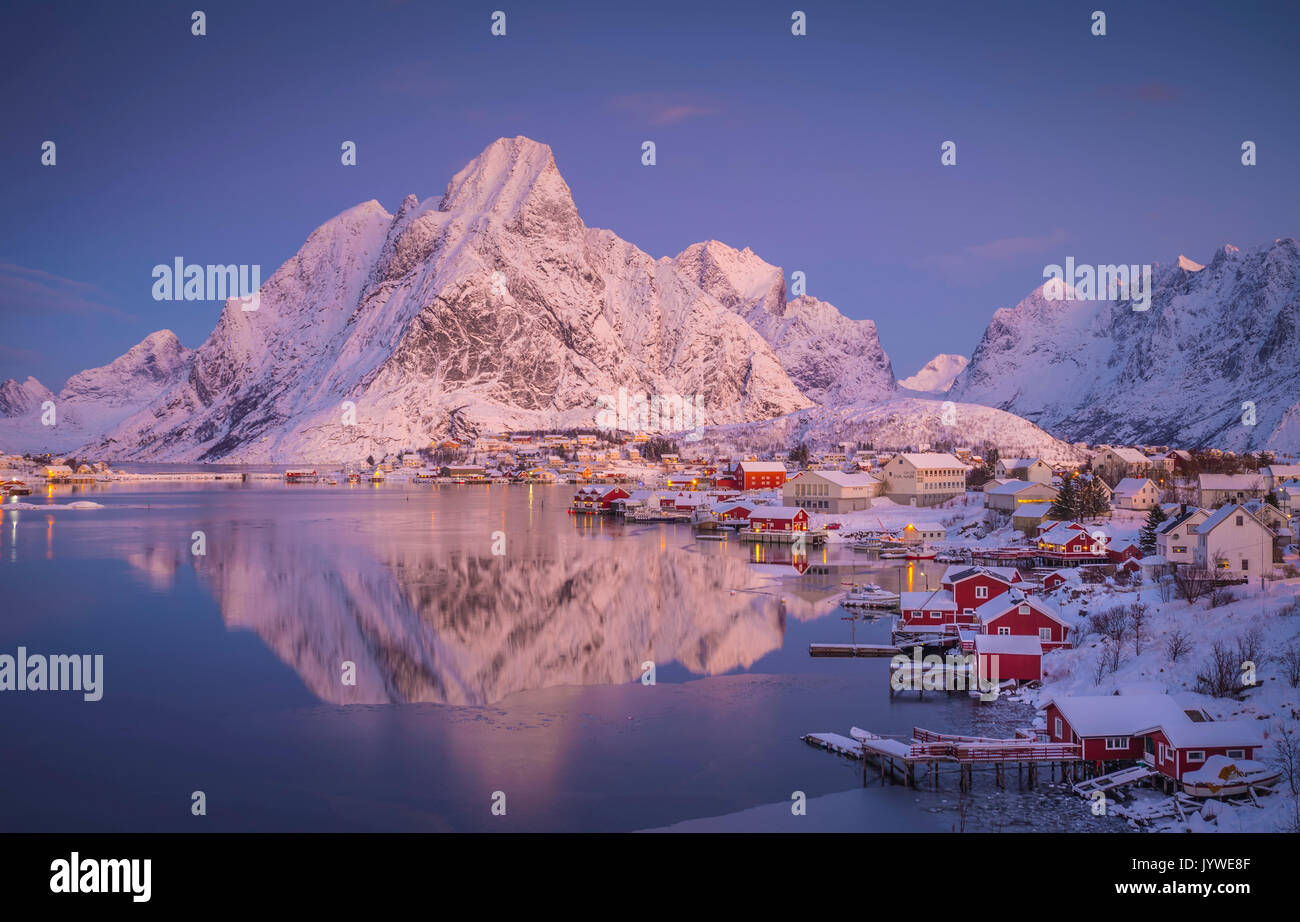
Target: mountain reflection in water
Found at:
x=425, y=625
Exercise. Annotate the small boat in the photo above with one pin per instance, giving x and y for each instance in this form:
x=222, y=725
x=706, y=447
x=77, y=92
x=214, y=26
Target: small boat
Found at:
x=354, y=478
x=892, y=555
x=1224, y=777
x=332, y=481
x=16, y=488
x=920, y=553
x=870, y=595
x=301, y=476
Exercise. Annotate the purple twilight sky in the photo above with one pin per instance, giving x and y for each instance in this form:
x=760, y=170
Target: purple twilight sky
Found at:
x=819, y=152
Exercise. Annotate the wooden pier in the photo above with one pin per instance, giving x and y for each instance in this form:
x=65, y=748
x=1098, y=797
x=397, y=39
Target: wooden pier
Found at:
x=931, y=750
x=852, y=649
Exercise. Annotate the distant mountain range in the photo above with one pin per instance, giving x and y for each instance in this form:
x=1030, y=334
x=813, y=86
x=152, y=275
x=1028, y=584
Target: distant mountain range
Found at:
x=1218, y=343
x=494, y=306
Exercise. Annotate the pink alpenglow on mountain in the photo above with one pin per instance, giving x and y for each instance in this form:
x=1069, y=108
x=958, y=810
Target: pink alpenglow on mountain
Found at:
x=1215, y=337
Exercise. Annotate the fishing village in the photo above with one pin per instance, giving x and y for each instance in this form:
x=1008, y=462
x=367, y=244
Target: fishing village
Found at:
x=1070, y=589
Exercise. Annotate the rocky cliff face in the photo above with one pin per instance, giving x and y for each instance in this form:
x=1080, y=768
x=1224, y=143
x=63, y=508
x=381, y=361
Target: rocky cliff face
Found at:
x=493, y=305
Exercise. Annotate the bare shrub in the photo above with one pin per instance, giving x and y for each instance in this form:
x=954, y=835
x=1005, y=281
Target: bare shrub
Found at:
x=1251, y=647
x=1218, y=676
x=1221, y=595
x=1111, y=623
x=1178, y=644
x=1290, y=658
x=1190, y=583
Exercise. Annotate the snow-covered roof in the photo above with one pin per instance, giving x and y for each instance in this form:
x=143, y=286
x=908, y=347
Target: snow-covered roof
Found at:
x=1223, y=513
x=1180, y=519
x=761, y=467
x=1189, y=734
x=1032, y=511
x=1011, y=644
x=1130, y=455
x=840, y=478
x=1012, y=487
x=1131, y=485
x=1014, y=464
x=937, y=600
x=1119, y=715
x=776, y=512
x=931, y=459
x=958, y=572
x=1001, y=604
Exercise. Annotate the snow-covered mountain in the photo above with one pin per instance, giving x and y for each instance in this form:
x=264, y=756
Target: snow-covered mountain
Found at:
x=937, y=375
x=93, y=401
x=19, y=398
x=833, y=359
x=493, y=305
x=1216, y=338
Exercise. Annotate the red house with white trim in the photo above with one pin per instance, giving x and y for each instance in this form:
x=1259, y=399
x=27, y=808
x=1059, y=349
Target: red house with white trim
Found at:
x=758, y=475
x=963, y=589
x=1003, y=657
x=607, y=498
x=778, y=518
x=1155, y=729
x=1016, y=614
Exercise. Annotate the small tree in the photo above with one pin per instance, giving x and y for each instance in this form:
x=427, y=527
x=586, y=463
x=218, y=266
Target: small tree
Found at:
x=1066, y=505
x=1137, y=616
x=1092, y=498
x=1147, y=537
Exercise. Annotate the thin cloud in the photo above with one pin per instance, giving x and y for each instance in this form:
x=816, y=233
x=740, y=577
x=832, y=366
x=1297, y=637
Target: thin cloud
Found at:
x=977, y=263
x=26, y=290
x=658, y=110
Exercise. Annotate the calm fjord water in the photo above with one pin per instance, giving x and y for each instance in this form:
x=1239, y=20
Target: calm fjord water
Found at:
x=475, y=673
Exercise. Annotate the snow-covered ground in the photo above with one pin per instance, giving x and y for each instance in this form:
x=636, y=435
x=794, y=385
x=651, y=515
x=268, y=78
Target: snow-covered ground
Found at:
x=1272, y=614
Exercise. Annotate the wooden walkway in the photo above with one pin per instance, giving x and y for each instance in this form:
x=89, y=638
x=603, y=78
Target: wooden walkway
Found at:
x=931, y=749
x=852, y=649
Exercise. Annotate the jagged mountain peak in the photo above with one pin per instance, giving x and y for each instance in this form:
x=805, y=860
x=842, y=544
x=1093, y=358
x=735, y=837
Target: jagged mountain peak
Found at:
x=513, y=178
x=19, y=397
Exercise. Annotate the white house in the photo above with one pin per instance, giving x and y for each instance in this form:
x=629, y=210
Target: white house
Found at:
x=830, y=491
x=1118, y=463
x=1035, y=469
x=1233, y=542
x=924, y=478
x=1007, y=496
x=1135, y=493
x=1176, y=538
x=1217, y=489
